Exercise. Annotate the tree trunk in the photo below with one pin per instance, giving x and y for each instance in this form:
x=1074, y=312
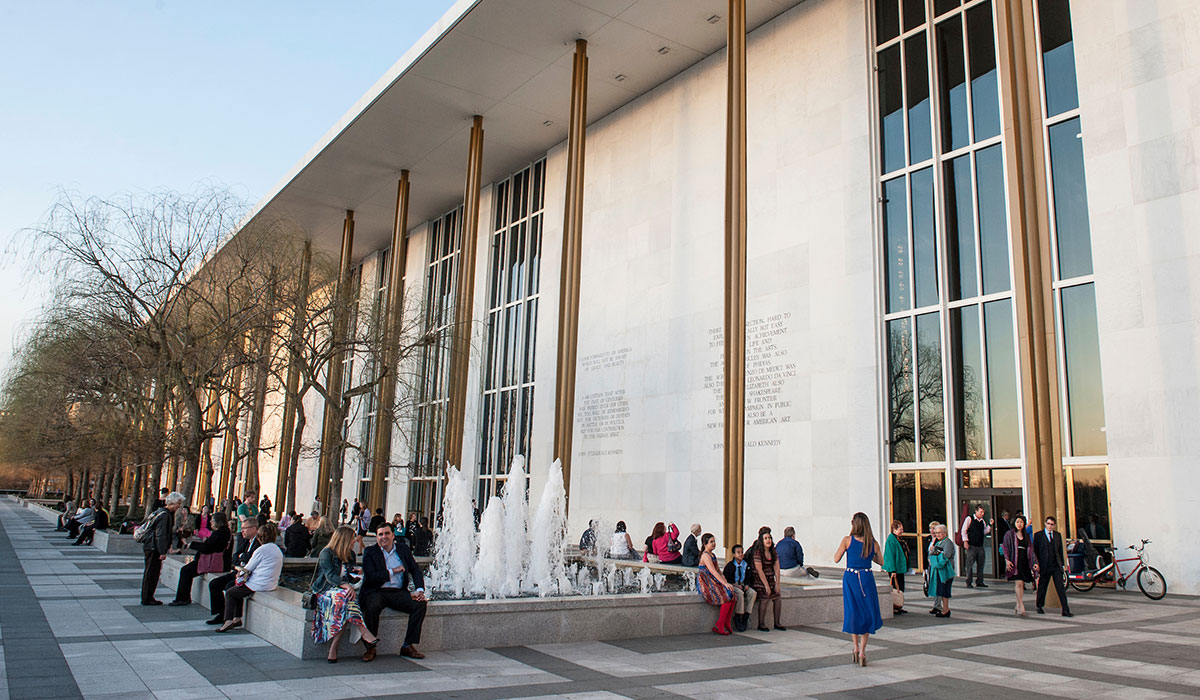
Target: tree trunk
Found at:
x=135, y=489
x=254, y=436
x=117, y=483
x=294, y=458
x=193, y=445
x=70, y=483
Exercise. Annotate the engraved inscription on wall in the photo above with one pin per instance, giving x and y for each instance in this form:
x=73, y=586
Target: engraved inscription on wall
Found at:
x=602, y=414
x=768, y=374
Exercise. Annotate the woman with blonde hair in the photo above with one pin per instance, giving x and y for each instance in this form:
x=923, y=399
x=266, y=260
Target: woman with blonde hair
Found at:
x=860, y=601
x=337, y=604
x=941, y=569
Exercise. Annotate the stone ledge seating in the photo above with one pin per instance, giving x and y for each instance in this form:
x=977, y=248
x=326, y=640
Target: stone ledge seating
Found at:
x=105, y=540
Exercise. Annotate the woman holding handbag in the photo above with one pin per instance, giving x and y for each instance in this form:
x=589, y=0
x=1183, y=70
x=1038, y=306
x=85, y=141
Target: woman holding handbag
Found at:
x=941, y=570
x=213, y=556
x=1018, y=564
x=336, y=597
x=895, y=563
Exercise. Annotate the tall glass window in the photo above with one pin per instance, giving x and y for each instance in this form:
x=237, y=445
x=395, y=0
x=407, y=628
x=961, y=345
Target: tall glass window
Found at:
x=1081, y=389
x=506, y=414
x=444, y=244
x=949, y=324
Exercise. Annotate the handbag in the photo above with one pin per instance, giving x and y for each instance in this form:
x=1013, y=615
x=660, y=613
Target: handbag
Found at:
x=213, y=563
x=308, y=600
x=674, y=546
x=925, y=582
x=897, y=598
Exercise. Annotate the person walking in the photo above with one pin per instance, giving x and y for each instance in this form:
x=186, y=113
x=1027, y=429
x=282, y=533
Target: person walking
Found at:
x=860, y=601
x=1048, y=564
x=1018, y=560
x=737, y=574
x=765, y=560
x=337, y=601
x=156, y=545
x=895, y=563
x=712, y=586
x=974, y=530
x=941, y=570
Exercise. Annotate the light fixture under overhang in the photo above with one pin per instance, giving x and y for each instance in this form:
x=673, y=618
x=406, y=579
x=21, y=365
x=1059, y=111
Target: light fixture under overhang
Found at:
x=620, y=77
x=663, y=51
x=714, y=19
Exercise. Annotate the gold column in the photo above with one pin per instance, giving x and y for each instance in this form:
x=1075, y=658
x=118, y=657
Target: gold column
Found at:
x=1021, y=120
x=735, y=274
x=285, y=482
x=332, y=425
x=393, y=310
x=569, y=277
x=460, y=348
x=204, y=489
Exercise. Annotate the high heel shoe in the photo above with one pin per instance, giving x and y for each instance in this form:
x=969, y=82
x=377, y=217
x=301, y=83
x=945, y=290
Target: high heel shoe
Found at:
x=862, y=660
x=854, y=657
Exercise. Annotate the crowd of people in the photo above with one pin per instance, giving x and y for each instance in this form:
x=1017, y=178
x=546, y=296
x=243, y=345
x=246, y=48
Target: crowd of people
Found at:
x=245, y=551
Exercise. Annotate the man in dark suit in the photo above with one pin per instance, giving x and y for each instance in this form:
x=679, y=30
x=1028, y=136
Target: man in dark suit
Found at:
x=222, y=583
x=387, y=567
x=1048, y=563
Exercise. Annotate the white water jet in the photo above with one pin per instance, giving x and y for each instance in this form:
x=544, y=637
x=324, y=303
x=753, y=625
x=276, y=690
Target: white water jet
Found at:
x=644, y=578
x=489, y=572
x=516, y=537
x=454, y=541
x=547, y=568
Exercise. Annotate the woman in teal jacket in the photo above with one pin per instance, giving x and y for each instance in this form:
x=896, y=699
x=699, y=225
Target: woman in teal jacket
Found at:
x=895, y=562
x=941, y=570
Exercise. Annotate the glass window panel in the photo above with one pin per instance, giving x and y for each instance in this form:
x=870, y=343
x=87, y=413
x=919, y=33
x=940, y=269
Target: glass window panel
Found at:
x=495, y=272
x=895, y=232
x=914, y=13
x=904, y=499
x=1070, y=200
x=993, y=221
x=924, y=238
x=539, y=184
x=1058, y=56
x=486, y=433
x=530, y=338
x=887, y=20
x=516, y=255
x=953, y=89
x=500, y=209
x=1090, y=487
x=929, y=387
x=891, y=109
x=1085, y=393
x=975, y=478
x=900, y=389
x=933, y=498
x=1007, y=479
x=960, y=224
x=967, y=377
x=522, y=447
x=943, y=6
x=916, y=75
x=1002, y=379
x=535, y=254
x=985, y=96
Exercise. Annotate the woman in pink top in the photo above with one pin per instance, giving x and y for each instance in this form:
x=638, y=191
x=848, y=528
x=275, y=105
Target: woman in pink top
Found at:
x=205, y=528
x=660, y=544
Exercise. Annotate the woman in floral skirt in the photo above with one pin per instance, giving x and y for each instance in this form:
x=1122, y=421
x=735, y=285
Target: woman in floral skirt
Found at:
x=337, y=604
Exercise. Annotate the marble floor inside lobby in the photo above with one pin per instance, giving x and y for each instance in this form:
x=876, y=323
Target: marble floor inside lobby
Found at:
x=71, y=627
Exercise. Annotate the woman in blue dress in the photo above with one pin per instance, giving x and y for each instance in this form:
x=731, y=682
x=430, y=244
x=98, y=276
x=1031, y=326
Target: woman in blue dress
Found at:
x=860, y=600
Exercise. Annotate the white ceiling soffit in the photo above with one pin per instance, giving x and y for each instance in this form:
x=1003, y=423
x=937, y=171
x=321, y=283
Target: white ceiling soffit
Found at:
x=508, y=60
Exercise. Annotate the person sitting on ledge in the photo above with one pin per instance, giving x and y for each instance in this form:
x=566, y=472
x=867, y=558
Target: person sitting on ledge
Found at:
x=99, y=522
x=739, y=575
x=296, y=539
x=218, y=544
x=321, y=536
x=791, y=556
x=664, y=545
x=712, y=586
x=337, y=604
x=376, y=520
x=68, y=512
x=622, y=544
x=243, y=550
x=83, y=517
x=261, y=573
x=587, y=543
x=423, y=538
x=691, y=552
x=387, y=567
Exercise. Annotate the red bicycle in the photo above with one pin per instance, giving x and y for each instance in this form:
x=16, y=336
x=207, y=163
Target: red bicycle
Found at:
x=1149, y=579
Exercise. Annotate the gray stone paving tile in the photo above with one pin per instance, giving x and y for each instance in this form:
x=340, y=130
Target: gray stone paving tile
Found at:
x=684, y=642
x=1152, y=652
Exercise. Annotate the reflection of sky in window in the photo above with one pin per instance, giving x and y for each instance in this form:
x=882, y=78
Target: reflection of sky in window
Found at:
x=1085, y=396
x=1002, y=379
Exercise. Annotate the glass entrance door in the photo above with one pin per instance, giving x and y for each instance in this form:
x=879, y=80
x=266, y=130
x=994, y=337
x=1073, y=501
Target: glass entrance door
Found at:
x=1000, y=495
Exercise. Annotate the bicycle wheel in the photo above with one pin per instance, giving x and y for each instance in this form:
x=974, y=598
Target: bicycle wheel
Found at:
x=1084, y=585
x=1152, y=583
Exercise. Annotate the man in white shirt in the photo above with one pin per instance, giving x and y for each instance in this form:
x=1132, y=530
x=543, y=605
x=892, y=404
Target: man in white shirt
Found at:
x=387, y=568
x=974, y=530
x=85, y=516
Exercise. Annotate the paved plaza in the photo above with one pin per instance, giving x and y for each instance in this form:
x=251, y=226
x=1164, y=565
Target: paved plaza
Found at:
x=71, y=626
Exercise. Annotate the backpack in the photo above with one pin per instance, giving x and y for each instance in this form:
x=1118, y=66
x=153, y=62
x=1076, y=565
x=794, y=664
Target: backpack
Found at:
x=144, y=533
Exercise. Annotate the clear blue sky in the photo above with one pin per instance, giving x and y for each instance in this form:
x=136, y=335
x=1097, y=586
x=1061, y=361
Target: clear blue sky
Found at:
x=104, y=97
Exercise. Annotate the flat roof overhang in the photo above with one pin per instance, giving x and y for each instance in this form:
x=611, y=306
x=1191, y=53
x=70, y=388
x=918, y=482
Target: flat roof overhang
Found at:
x=508, y=60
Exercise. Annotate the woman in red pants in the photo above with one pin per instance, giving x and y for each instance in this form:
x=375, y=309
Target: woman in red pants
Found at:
x=711, y=584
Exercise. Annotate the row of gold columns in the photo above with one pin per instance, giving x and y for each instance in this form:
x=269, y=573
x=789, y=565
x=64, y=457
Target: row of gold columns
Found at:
x=1021, y=120
x=464, y=295
x=332, y=420
x=393, y=310
x=569, y=277
x=735, y=274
